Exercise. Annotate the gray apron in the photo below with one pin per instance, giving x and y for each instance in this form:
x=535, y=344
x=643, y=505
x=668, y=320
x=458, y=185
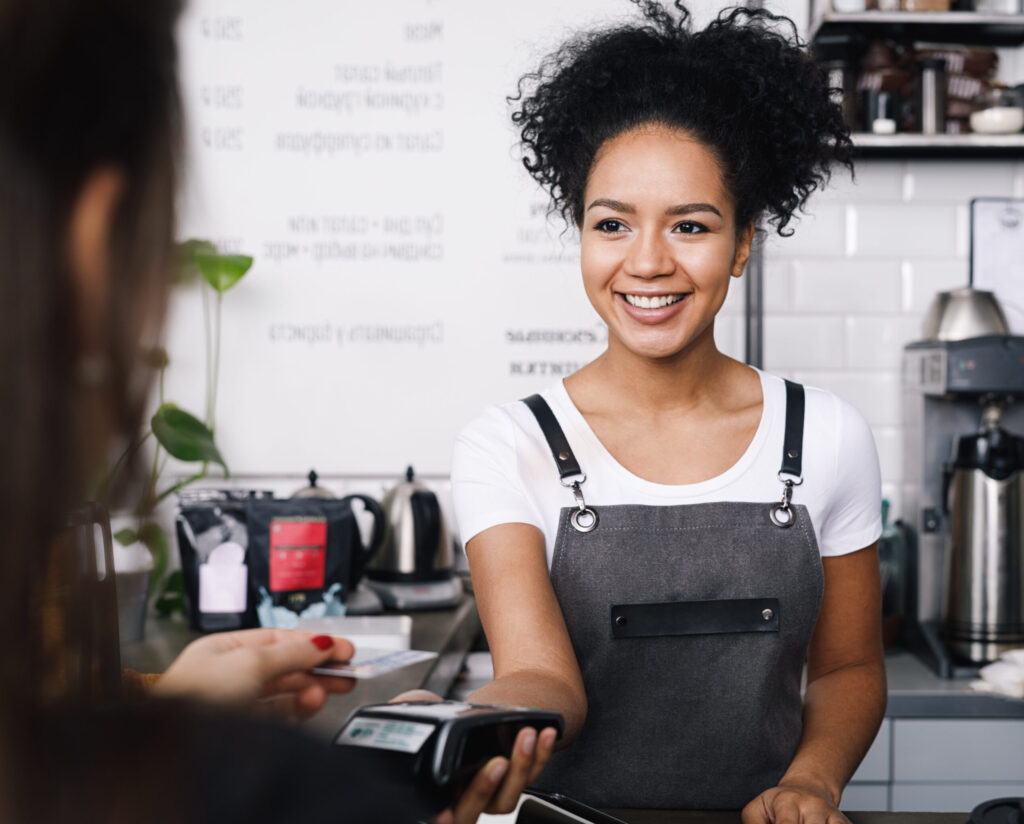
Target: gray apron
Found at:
x=690, y=624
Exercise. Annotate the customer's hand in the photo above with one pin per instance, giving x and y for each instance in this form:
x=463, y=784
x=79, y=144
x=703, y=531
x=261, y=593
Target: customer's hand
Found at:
x=268, y=668
x=790, y=803
x=496, y=788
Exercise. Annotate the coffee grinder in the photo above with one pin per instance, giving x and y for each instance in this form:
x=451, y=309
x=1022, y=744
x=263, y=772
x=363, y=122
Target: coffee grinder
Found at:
x=956, y=394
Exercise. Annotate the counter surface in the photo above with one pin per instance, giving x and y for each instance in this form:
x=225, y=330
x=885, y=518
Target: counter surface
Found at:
x=915, y=691
x=723, y=817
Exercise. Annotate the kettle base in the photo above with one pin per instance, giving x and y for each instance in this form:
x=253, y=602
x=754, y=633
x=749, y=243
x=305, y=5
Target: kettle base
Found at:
x=417, y=596
x=981, y=649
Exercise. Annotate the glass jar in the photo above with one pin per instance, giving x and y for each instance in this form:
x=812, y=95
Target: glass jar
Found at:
x=997, y=111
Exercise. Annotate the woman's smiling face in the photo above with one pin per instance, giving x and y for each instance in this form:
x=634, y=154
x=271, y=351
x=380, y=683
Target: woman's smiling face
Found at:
x=659, y=242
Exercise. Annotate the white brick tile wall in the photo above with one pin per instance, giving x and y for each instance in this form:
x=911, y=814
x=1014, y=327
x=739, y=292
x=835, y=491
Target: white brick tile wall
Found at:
x=792, y=342
x=900, y=230
x=923, y=278
x=963, y=230
x=876, y=342
x=959, y=182
x=819, y=233
x=877, y=180
x=778, y=285
x=889, y=442
x=875, y=394
x=846, y=286
x=735, y=301
x=729, y=336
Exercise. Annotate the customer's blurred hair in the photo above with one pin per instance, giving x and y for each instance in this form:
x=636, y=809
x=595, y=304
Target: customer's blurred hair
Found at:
x=84, y=85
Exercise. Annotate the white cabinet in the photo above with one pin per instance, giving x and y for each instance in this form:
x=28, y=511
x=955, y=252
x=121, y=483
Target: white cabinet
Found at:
x=959, y=750
x=950, y=797
x=876, y=766
x=939, y=765
x=874, y=797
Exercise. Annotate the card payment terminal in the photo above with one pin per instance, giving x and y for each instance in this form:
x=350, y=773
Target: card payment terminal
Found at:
x=434, y=748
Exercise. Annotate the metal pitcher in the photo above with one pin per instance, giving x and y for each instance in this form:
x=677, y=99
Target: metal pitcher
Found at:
x=983, y=603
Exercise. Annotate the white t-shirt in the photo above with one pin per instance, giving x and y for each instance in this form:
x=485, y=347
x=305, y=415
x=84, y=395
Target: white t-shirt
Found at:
x=503, y=471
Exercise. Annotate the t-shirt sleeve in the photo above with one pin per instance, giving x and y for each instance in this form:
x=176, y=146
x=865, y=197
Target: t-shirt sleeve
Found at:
x=854, y=515
x=487, y=487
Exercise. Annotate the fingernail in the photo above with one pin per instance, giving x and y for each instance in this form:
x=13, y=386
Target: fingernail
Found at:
x=529, y=742
x=497, y=771
x=323, y=642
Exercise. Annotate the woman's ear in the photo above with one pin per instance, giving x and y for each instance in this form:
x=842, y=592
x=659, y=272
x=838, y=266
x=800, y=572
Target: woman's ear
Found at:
x=89, y=233
x=744, y=240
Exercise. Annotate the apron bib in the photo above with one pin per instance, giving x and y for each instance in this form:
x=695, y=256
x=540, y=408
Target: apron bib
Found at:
x=690, y=624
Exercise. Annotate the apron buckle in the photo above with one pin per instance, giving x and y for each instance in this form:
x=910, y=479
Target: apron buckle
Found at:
x=782, y=514
x=583, y=518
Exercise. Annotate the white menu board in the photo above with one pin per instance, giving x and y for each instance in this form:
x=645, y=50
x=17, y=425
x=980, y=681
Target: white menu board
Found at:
x=406, y=273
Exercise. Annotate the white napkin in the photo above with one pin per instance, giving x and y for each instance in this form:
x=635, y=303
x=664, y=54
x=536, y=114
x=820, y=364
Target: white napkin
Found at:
x=1004, y=677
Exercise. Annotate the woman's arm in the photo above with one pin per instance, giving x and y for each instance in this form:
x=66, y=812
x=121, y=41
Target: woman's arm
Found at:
x=846, y=694
x=534, y=663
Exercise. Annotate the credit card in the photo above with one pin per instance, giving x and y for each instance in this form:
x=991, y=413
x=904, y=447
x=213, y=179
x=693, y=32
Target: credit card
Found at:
x=370, y=663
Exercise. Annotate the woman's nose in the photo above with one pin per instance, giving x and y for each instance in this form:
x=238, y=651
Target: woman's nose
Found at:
x=649, y=256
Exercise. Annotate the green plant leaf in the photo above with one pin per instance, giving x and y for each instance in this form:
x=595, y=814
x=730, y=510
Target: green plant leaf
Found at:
x=184, y=436
x=222, y=271
x=172, y=597
x=154, y=357
x=126, y=536
x=188, y=267
x=153, y=536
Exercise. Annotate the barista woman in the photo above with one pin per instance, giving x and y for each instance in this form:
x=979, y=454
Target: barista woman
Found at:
x=661, y=540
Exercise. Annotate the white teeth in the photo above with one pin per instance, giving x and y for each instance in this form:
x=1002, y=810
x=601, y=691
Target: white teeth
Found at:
x=645, y=302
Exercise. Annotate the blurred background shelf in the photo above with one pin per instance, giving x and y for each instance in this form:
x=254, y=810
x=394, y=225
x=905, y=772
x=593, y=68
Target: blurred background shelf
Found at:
x=964, y=27
x=953, y=146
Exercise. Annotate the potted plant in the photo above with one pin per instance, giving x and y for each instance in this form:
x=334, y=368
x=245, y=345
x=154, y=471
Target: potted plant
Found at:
x=176, y=433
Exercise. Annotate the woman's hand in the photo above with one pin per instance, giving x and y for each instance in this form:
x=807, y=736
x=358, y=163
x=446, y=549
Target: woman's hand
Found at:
x=271, y=665
x=794, y=803
x=496, y=788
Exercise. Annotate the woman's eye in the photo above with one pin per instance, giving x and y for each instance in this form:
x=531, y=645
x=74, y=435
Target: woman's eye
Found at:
x=610, y=225
x=688, y=227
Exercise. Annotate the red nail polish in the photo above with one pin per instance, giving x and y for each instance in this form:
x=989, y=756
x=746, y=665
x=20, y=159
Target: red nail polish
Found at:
x=323, y=642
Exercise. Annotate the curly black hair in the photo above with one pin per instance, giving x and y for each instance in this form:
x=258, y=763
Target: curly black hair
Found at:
x=744, y=86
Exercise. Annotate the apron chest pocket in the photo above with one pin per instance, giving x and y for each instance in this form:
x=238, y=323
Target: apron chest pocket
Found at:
x=695, y=617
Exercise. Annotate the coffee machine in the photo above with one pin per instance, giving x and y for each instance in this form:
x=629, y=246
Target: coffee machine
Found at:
x=963, y=415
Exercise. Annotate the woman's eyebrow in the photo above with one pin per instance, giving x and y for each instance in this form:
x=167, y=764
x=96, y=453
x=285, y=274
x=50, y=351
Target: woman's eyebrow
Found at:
x=615, y=205
x=630, y=209
x=690, y=208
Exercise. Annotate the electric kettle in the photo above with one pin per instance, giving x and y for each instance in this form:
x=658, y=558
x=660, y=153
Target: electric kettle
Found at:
x=415, y=566
x=983, y=597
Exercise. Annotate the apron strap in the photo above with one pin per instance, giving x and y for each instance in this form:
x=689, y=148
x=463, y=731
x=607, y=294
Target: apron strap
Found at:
x=793, y=438
x=583, y=518
x=790, y=473
x=565, y=460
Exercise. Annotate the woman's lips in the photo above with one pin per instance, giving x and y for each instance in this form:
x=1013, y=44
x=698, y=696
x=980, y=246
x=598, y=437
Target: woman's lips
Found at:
x=657, y=309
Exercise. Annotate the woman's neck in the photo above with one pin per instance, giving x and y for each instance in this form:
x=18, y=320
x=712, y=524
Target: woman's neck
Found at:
x=619, y=377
